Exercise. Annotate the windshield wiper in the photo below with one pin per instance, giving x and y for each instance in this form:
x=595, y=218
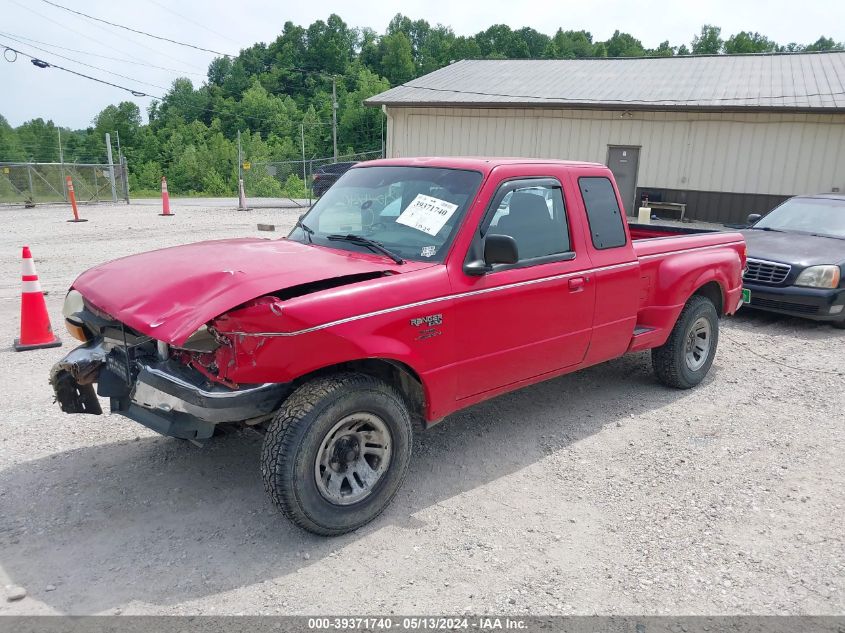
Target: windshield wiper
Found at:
x=306, y=229
x=767, y=228
x=365, y=241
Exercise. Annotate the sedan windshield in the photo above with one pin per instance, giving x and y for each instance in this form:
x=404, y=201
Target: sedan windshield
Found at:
x=816, y=216
x=413, y=212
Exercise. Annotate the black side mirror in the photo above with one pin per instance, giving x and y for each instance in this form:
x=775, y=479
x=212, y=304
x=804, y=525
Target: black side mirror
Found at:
x=752, y=218
x=498, y=249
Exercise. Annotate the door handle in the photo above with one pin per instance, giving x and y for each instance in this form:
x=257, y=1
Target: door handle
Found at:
x=576, y=284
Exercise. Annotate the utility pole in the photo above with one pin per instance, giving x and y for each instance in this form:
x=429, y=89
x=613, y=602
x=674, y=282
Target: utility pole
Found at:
x=334, y=116
x=62, y=163
x=302, y=137
x=119, y=155
x=111, y=168
x=383, y=119
x=124, y=177
x=240, y=158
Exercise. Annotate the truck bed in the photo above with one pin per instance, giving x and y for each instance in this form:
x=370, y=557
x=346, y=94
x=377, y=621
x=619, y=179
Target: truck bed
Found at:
x=656, y=231
x=682, y=259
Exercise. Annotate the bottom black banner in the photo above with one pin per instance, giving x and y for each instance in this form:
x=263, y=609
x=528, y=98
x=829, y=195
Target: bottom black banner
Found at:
x=375, y=624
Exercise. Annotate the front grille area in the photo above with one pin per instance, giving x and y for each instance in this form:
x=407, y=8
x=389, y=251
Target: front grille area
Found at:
x=765, y=272
x=789, y=306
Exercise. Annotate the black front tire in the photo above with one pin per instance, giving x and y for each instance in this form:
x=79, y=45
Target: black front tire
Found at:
x=299, y=430
x=670, y=359
x=839, y=324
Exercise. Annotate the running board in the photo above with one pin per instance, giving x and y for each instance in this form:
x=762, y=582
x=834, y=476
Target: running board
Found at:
x=642, y=338
x=642, y=329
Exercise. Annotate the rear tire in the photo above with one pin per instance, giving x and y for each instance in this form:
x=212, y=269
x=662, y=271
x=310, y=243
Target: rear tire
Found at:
x=684, y=360
x=337, y=452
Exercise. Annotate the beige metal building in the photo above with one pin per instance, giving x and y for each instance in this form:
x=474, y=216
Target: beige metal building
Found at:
x=725, y=135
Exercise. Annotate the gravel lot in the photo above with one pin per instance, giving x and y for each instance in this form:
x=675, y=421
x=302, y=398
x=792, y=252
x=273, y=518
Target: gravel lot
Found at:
x=600, y=492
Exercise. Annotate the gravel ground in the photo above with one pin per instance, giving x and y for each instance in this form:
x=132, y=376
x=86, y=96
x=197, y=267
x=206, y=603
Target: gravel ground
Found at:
x=599, y=492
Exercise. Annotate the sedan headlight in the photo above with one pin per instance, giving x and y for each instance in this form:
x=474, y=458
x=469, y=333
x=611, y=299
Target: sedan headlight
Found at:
x=819, y=277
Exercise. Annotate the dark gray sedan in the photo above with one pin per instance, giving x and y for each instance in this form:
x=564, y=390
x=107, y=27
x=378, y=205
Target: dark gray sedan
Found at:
x=796, y=259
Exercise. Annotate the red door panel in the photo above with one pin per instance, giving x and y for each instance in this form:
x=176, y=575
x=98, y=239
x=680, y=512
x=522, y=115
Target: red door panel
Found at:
x=520, y=323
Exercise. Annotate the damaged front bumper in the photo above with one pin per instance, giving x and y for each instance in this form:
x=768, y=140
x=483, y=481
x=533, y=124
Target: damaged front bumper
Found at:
x=163, y=395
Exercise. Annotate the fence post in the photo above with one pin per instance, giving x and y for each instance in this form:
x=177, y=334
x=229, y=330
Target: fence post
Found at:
x=62, y=166
x=31, y=188
x=125, y=170
x=111, y=168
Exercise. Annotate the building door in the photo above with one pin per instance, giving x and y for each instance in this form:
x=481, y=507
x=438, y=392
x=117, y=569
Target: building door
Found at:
x=623, y=162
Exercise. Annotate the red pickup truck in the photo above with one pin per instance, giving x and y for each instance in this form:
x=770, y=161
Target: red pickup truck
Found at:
x=412, y=289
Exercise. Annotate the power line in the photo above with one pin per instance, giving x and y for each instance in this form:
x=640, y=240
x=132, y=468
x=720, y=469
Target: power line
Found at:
x=40, y=63
x=192, y=21
x=615, y=101
x=70, y=59
x=93, y=39
x=26, y=40
x=43, y=64
x=127, y=28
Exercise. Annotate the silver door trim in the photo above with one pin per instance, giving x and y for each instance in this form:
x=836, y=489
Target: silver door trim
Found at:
x=417, y=304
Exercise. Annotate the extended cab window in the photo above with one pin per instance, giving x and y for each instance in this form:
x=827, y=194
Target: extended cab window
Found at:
x=535, y=217
x=606, y=222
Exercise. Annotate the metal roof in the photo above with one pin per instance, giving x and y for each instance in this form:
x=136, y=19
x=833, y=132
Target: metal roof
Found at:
x=790, y=81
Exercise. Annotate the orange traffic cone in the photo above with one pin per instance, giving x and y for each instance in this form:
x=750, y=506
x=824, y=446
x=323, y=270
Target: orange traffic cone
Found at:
x=35, y=322
x=165, y=199
x=72, y=197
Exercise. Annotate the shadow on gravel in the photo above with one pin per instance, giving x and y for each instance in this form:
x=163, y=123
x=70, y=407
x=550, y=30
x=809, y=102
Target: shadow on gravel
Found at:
x=161, y=521
x=771, y=323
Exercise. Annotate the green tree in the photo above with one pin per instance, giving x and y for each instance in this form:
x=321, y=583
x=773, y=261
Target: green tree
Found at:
x=663, y=50
x=124, y=118
x=624, y=45
x=10, y=145
x=825, y=44
x=747, y=42
x=708, y=42
x=570, y=44
x=397, y=60
x=329, y=45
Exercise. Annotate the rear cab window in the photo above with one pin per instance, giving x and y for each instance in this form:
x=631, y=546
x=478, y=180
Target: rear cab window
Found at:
x=607, y=227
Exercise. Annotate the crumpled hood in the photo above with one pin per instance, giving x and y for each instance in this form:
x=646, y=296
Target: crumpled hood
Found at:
x=168, y=294
x=796, y=249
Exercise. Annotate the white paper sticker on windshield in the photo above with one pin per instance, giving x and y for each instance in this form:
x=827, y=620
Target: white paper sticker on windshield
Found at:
x=427, y=214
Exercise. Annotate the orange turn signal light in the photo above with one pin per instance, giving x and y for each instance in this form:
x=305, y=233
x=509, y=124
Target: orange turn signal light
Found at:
x=76, y=330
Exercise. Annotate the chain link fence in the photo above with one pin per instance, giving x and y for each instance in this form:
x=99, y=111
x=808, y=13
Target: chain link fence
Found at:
x=294, y=179
x=29, y=184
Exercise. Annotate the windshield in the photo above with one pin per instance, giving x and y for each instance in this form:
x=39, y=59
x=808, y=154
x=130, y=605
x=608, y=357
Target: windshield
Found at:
x=819, y=216
x=412, y=211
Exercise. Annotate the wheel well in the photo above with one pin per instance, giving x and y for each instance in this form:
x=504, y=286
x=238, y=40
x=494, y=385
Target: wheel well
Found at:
x=713, y=291
x=395, y=373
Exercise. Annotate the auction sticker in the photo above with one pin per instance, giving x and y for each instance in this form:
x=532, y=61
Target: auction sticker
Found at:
x=427, y=214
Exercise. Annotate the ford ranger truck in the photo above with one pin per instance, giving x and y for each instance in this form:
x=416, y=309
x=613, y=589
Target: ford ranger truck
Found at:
x=412, y=289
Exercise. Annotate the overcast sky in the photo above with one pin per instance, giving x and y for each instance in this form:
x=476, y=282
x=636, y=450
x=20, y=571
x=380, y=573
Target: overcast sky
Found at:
x=27, y=92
